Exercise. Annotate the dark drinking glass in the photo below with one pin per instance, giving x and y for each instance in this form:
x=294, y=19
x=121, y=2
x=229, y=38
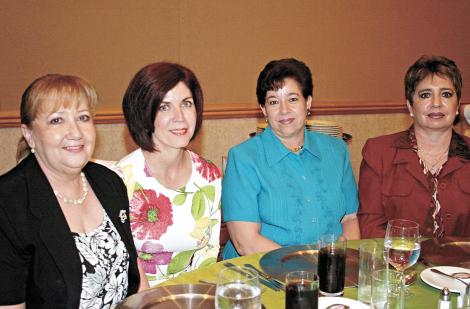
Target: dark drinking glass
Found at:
x=332, y=265
x=301, y=290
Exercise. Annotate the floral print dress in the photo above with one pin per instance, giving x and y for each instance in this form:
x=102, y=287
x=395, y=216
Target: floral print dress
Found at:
x=174, y=230
x=105, y=264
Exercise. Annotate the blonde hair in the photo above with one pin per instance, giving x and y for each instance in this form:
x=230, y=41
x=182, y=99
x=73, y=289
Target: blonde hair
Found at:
x=49, y=93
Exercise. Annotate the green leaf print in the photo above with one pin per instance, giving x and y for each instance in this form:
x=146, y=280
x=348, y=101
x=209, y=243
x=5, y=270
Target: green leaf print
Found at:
x=180, y=262
x=208, y=261
x=179, y=199
x=137, y=187
x=214, y=222
x=209, y=191
x=199, y=205
x=151, y=277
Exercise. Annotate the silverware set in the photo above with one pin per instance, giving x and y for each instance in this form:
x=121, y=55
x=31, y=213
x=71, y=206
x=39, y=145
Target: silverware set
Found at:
x=274, y=281
x=270, y=283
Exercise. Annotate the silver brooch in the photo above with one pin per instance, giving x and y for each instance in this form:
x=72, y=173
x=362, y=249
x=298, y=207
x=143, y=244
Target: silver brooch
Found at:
x=123, y=215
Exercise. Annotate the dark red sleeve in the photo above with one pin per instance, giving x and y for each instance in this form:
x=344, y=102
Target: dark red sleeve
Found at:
x=371, y=215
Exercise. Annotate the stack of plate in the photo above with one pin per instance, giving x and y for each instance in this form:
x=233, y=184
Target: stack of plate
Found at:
x=324, y=126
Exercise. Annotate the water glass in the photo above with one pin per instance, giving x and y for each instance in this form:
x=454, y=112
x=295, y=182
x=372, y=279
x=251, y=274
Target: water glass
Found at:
x=331, y=265
x=371, y=258
x=387, y=286
x=301, y=290
x=238, y=288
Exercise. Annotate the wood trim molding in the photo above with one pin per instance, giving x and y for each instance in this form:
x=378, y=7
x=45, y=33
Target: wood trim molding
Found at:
x=10, y=119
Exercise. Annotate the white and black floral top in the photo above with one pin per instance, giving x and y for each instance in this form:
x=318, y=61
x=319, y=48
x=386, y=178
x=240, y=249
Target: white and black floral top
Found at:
x=105, y=264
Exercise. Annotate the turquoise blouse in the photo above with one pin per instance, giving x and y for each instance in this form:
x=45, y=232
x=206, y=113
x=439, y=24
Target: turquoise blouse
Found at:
x=296, y=198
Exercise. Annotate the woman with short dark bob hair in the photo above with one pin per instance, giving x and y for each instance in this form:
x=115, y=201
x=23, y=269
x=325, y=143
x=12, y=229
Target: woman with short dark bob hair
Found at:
x=147, y=91
x=423, y=173
x=287, y=186
x=174, y=193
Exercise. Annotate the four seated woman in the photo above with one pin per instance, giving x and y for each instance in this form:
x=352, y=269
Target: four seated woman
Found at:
x=423, y=173
x=287, y=186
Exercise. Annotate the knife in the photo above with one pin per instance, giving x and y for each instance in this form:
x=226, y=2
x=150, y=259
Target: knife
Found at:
x=261, y=280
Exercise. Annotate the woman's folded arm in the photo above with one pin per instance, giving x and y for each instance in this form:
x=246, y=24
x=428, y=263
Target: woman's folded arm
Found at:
x=247, y=239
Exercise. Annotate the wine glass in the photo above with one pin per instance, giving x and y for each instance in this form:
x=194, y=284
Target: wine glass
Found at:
x=402, y=245
x=238, y=288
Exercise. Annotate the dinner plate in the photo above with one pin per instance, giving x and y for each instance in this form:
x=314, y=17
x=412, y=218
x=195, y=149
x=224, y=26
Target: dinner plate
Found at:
x=324, y=302
x=440, y=281
x=172, y=296
x=279, y=262
x=449, y=251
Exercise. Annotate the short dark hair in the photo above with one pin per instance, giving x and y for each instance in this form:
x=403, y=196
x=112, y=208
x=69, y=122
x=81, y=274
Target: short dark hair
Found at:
x=432, y=65
x=146, y=92
x=273, y=75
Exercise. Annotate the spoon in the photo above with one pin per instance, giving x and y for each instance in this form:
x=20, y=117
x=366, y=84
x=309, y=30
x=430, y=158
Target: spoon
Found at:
x=437, y=271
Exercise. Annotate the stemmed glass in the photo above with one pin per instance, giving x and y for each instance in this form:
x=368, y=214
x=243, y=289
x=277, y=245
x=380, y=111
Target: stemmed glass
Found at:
x=402, y=246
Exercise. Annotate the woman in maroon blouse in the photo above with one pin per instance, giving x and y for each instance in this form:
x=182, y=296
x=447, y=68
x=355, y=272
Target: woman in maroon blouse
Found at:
x=423, y=173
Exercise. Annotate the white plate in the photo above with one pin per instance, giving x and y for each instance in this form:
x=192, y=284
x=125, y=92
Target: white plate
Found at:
x=440, y=281
x=324, y=302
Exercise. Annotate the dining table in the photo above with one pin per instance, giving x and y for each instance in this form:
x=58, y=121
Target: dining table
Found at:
x=420, y=295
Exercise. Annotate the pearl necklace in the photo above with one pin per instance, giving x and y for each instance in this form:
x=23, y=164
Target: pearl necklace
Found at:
x=73, y=201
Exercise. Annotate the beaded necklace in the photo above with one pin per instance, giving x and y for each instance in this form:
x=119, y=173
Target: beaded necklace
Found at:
x=75, y=201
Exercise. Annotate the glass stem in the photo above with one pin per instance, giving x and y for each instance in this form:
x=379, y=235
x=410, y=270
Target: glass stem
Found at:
x=401, y=299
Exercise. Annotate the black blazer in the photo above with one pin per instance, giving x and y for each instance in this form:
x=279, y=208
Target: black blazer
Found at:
x=39, y=262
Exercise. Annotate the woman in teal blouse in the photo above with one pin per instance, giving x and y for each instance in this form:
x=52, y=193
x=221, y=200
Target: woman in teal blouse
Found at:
x=287, y=186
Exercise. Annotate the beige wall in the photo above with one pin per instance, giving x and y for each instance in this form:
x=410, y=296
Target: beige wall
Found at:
x=357, y=50
x=217, y=136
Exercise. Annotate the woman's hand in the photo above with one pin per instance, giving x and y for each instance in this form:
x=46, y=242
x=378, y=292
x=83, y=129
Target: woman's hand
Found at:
x=246, y=238
x=144, y=283
x=350, y=227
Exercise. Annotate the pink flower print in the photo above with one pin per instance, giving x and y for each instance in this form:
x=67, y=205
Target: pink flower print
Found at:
x=147, y=171
x=151, y=214
x=206, y=168
x=151, y=255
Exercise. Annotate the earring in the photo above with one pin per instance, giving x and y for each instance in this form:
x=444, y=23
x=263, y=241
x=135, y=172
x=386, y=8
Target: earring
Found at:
x=457, y=112
x=309, y=113
x=266, y=120
x=411, y=115
x=32, y=150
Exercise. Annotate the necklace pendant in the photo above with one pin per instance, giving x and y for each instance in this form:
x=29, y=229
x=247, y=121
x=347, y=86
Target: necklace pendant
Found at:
x=296, y=148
